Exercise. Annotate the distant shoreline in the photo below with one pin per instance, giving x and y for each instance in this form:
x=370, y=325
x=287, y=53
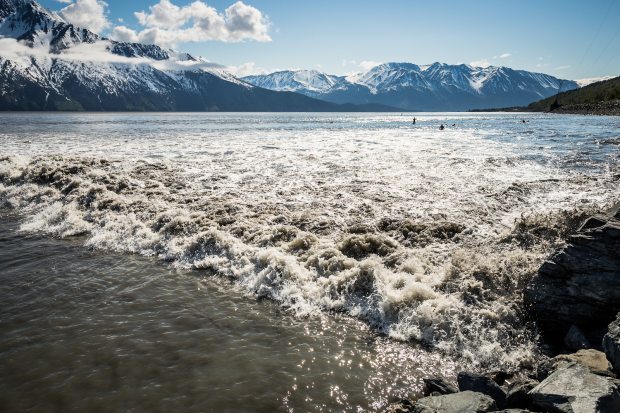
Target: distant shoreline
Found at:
x=606, y=108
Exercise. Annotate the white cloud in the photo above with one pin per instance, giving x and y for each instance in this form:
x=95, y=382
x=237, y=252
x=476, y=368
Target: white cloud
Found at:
x=168, y=24
x=90, y=14
x=247, y=69
x=504, y=55
x=65, y=1
x=21, y=54
x=124, y=34
x=163, y=15
x=589, y=80
x=98, y=52
x=480, y=63
x=366, y=65
x=243, y=20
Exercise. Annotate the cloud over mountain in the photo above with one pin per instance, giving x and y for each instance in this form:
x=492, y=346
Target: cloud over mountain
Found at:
x=168, y=24
x=86, y=13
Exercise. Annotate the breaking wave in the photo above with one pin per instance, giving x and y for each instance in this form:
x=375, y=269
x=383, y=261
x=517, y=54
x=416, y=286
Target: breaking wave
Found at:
x=449, y=276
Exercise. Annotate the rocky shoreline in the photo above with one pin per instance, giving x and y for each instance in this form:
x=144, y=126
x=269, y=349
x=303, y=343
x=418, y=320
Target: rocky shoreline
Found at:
x=575, y=300
x=606, y=108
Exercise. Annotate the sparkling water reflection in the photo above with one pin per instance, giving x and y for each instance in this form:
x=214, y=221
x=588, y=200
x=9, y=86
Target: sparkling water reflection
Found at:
x=422, y=235
x=83, y=331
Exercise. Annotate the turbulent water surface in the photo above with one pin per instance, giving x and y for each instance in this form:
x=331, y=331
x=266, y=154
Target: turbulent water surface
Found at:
x=386, y=251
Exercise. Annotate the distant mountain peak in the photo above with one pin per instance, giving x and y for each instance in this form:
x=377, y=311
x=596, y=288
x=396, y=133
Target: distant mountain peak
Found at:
x=435, y=86
x=59, y=71
x=55, y=65
x=295, y=80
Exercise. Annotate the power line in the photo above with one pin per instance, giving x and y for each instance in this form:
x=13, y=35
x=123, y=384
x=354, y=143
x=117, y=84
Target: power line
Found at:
x=606, y=47
x=611, y=3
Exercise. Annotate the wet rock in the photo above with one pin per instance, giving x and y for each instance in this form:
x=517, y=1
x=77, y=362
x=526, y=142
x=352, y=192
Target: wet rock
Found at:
x=484, y=385
x=580, y=284
x=500, y=377
x=512, y=411
x=517, y=394
x=575, y=389
x=403, y=406
x=575, y=339
x=438, y=385
x=544, y=369
x=594, y=360
x=611, y=344
x=609, y=107
x=463, y=402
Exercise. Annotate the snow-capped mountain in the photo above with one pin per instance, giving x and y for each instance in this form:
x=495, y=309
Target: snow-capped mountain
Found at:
x=298, y=80
x=438, y=86
x=47, y=63
x=392, y=76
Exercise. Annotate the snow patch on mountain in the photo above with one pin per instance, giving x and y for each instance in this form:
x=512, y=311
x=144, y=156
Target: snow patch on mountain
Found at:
x=39, y=45
x=297, y=80
x=408, y=85
x=392, y=76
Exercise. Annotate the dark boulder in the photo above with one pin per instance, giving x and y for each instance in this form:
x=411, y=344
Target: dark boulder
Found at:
x=438, y=385
x=500, y=376
x=611, y=344
x=484, y=385
x=574, y=389
x=511, y=411
x=463, y=402
x=580, y=284
x=517, y=395
x=544, y=369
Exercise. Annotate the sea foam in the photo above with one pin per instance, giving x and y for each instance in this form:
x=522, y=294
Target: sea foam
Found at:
x=429, y=240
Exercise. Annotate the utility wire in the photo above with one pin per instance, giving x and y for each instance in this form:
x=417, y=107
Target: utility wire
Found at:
x=612, y=55
x=583, y=58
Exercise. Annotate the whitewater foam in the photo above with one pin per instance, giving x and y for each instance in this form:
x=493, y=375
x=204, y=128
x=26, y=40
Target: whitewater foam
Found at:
x=424, y=236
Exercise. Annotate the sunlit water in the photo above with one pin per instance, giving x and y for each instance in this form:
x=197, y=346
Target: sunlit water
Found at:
x=386, y=252
x=87, y=331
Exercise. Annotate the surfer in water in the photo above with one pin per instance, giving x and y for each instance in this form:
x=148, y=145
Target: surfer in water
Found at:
x=441, y=127
x=413, y=123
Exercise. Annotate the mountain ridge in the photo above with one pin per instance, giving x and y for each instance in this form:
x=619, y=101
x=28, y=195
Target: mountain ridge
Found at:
x=47, y=63
x=438, y=86
x=599, y=98
x=54, y=65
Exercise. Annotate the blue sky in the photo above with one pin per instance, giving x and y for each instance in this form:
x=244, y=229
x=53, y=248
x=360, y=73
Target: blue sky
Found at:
x=569, y=39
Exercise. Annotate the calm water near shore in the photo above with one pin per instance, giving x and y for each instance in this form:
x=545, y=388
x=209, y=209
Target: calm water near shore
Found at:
x=277, y=262
x=89, y=331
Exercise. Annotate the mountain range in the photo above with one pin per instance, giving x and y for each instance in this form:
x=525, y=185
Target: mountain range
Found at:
x=46, y=63
x=434, y=87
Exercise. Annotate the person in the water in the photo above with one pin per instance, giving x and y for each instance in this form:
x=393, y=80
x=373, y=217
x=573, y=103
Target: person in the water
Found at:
x=441, y=127
x=413, y=123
